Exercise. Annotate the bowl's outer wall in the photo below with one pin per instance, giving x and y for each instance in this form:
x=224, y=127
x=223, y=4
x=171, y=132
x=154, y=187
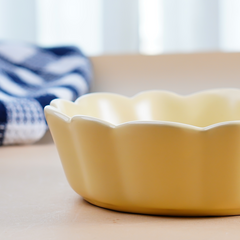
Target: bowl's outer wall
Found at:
x=151, y=168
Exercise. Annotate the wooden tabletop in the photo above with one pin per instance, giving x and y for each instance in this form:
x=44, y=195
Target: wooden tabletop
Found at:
x=36, y=202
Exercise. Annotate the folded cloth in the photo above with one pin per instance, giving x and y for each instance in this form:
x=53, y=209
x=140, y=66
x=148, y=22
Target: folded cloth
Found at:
x=30, y=77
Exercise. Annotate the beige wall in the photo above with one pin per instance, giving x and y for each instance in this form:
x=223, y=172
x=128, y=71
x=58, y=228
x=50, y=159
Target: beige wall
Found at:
x=181, y=73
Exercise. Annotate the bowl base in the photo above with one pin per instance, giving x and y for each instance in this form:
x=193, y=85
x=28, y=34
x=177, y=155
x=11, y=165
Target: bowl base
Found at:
x=167, y=212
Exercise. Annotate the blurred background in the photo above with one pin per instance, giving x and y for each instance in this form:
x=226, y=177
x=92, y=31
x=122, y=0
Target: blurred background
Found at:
x=124, y=26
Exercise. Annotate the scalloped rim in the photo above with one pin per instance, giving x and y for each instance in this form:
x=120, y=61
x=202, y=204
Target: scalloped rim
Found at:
x=53, y=109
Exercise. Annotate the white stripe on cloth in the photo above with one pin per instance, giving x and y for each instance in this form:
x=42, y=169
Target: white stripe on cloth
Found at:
x=61, y=92
x=16, y=52
x=6, y=97
x=74, y=80
x=12, y=87
x=28, y=76
x=66, y=64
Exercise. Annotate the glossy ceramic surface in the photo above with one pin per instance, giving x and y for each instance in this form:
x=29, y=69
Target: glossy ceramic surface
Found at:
x=155, y=153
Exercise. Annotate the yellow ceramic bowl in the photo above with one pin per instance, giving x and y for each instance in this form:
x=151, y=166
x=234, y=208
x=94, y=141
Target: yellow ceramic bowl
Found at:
x=155, y=153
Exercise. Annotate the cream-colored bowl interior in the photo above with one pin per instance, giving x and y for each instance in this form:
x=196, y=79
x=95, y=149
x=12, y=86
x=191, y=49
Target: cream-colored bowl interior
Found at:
x=201, y=109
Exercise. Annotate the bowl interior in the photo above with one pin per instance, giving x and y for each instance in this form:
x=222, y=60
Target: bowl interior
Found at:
x=201, y=109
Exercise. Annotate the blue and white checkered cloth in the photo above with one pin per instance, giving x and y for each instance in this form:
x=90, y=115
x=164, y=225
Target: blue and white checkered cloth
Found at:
x=30, y=77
